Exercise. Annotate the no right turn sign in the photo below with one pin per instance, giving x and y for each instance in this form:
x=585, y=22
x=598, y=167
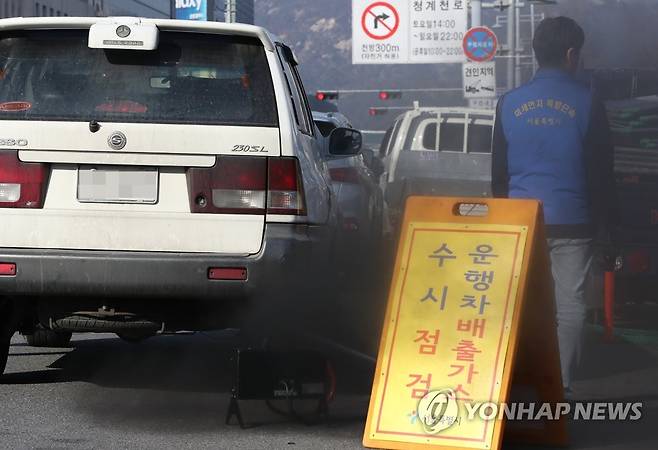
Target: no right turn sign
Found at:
x=379, y=31
x=380, y=21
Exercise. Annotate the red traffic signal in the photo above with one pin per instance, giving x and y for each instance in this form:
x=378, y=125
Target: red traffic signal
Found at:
x=389, y=95
x=326, y=95
x=378, y=111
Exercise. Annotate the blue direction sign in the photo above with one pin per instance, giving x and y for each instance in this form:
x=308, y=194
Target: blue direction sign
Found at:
x=192, y=9
x=480, y=44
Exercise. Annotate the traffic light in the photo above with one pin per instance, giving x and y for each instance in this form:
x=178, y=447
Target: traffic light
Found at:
x=378, y=111
x=389, y=95
x=326, y=95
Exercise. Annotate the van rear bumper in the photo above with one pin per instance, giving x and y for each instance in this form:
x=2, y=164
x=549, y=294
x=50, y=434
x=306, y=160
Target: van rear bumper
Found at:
x=290, y=252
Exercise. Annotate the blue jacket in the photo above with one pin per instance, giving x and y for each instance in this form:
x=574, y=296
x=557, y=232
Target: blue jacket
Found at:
x=552, y=142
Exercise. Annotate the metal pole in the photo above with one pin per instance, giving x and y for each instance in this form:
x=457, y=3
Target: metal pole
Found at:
x=511, y=43
x=476, y=13
x=231, y=10
x=518, y=79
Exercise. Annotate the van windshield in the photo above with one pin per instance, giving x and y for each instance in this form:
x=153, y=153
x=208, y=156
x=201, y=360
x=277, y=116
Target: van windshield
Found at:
x=190, y=79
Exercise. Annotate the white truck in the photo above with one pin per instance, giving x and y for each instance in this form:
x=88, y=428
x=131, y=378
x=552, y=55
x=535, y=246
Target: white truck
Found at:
x=156, y=175
x=437, y=151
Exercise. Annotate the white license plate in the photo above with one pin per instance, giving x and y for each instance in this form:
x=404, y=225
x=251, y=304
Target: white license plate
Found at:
x=117, y=184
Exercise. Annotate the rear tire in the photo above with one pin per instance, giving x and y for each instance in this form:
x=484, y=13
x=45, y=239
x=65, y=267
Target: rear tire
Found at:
x=85, y=324
x=46, y=338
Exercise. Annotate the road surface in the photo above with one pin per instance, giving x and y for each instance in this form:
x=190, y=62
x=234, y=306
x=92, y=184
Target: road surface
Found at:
x=173, y=392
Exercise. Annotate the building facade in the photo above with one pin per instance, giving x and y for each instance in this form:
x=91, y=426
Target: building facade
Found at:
x=240, y=11
x=51, y=8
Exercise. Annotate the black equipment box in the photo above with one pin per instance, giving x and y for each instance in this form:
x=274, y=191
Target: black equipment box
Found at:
x=266, y=375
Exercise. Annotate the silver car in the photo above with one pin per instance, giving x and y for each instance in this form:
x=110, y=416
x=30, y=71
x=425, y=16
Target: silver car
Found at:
x=356, y=188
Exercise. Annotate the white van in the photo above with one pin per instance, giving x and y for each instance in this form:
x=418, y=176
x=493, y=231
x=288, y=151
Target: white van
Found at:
x=155, y=175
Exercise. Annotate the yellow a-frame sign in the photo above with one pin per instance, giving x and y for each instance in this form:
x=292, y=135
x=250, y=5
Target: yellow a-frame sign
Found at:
x=470, y=313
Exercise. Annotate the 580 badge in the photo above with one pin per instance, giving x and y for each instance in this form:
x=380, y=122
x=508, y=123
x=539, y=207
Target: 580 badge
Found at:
x=249, y=149
x=13, y=142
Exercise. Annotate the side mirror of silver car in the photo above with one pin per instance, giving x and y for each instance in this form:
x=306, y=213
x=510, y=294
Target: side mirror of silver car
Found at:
x=345, y=142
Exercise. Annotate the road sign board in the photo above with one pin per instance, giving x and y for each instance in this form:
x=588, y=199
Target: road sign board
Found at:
x=193, y=9
x=479, y=80
x=380, y=21
x=404, y=32
x=470, y=310
x=480, y=44
x=482, y=103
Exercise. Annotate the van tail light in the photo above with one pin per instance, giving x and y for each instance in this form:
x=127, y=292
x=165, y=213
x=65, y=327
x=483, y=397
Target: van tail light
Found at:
x=344, y=175
x=22, y=185
x=235, y=185
x=285, y=193
x=247, y=185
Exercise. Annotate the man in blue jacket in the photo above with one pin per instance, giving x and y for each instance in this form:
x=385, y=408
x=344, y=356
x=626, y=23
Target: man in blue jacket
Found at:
x=552, y=142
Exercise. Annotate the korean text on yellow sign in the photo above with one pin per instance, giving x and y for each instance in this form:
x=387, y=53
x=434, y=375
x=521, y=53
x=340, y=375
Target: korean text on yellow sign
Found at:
x=449, y=328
